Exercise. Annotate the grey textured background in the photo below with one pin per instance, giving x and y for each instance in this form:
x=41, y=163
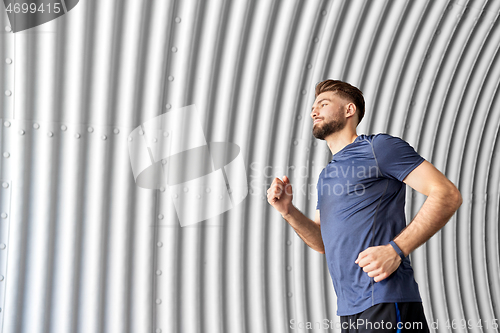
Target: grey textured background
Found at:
x=84, y=249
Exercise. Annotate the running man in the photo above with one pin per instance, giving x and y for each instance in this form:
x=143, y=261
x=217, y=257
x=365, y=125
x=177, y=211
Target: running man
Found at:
x=360, y=222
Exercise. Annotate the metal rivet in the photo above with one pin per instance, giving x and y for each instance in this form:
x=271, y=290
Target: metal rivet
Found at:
x=50, y=134
x=141, y=132
x=186, y=189
x=207, y=190
x=175, y=196
x=316, y=39
x=4, y=215
x=324, y=12
x=309, y=66
x=168, y=106
x=158, y=301
x=295, y=142
x=165, y=134
x=6, y=124
x=8, y=60
x=90, y=129
x=160, y=217
x=288, y=242
x=3, y=246
x=288, y=268
x=177, y=19
x=299, y=117
x=221, y=197
x=155, y=140
x=164, y=161
x=104, y=137
x=116, y=131
x=170, y=78
x=263, y=197
x=290, y=294
x=158, y=272
x=162, y=189
x=36, y=126
x=5, y=185
x=8, y=28
x=130, y=138
x=6, y=155
x=159, y=244
x=8, y=92
x=315, y=143
x=174, y=49
x=158, y=330
x=64, y=127
x=304, y=92
x=1, y=277
x=21, y=132
x=77, y=135
x=198, y=196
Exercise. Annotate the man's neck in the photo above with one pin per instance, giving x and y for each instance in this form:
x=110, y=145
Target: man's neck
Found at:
x=339, y=140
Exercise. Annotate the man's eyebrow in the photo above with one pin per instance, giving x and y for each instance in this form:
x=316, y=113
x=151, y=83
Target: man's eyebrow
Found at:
x=321, y=100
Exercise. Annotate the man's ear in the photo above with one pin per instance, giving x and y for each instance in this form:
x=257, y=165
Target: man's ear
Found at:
x=350, y=110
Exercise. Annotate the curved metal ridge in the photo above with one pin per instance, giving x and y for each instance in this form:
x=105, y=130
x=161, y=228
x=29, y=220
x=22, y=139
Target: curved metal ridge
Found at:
x=84, y=248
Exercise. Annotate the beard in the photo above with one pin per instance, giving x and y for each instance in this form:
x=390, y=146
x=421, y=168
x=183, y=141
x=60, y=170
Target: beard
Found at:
x=335, y=125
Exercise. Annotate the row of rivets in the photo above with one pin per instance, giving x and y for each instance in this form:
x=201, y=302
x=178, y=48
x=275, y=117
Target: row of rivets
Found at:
x=64, y=128
x=164, y=161
x=5, y=185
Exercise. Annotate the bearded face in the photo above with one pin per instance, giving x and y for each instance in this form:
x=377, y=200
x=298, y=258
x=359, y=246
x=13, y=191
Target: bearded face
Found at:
x=326, y=127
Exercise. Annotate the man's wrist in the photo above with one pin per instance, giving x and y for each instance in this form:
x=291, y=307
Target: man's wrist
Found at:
x=288, y=213
x=397, y=249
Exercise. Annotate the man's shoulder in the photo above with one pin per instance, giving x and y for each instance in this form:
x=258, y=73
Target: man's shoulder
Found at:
x=383, y=139
x=379, y=137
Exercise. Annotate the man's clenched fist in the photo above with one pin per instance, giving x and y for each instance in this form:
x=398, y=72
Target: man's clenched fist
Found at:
x=279, y=195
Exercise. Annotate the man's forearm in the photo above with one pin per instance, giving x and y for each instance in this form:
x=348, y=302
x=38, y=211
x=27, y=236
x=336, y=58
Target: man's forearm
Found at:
x=436, y=211
x=307, y=229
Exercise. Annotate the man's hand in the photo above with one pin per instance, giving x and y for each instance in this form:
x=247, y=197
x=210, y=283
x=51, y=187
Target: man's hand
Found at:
x=379, y=261
x=280, y=195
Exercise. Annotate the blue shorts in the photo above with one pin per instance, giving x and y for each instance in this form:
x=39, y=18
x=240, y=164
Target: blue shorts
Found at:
x=387, y=317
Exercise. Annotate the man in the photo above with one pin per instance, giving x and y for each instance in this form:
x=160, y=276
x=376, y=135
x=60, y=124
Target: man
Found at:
x=361, y=198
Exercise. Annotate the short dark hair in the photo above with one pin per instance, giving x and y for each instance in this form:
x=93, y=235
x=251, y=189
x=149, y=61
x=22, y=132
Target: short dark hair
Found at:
x=346, y=91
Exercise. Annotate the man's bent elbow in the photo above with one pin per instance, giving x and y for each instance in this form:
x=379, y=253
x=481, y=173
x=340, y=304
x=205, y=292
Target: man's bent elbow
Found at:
x=450, y=196
x=456, y=198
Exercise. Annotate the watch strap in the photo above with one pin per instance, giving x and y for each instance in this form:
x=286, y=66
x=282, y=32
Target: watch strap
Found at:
x=397, y=249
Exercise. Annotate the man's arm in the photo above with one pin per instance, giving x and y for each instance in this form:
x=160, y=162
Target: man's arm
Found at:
x=443, y=200
x=280, y=195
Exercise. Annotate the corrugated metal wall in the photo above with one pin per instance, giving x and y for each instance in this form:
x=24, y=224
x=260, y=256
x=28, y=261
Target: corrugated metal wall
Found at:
x=84, y=248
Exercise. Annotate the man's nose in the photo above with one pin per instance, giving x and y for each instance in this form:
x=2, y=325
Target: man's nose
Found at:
x=314, y=112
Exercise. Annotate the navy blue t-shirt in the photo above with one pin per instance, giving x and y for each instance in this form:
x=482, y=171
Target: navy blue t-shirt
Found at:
x=361, y=199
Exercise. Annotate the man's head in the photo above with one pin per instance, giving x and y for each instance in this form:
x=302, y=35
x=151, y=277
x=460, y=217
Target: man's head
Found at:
x=337, y=103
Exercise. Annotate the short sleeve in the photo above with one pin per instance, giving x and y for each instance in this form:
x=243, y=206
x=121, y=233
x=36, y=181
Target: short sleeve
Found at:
x=317, y=188
x=395, y=157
